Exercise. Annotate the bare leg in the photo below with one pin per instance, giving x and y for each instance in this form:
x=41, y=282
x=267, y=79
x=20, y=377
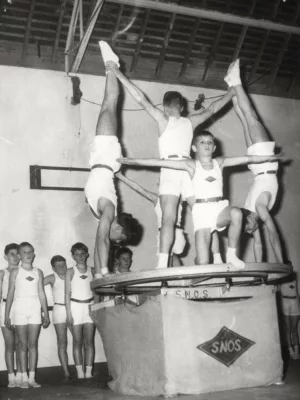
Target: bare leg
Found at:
x=294, y=334
x=77, y=332
x=169, y=204
x=232, y=216
x=89, y=347
x=62, y=343
x=9, y=341
x=203, y=240
x=262, y=210
x=22, y=333
x=215, y=247
x=243, y=121
x=33, y=336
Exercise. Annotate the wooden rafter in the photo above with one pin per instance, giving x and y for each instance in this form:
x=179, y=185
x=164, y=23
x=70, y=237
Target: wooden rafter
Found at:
x=243, y=33
x=86, y=37
x=70, y=36
x=80, y=10
x=27, y=31
x=121, y=9
x=284, y=46
x=59, y=27
x=190, y=48
x=140, y=41
x=212, y=15
x=212, y=54
x=263, y=43
x=165, y=46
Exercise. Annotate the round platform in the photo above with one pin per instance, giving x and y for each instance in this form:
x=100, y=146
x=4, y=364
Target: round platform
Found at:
x=191, y=276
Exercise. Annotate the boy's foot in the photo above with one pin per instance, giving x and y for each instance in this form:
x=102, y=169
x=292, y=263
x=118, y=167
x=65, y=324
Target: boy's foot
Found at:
x=67, y=378
x=24, y=385
x=235, y=261
x=232, y=77
x=12, y=384
x=34, y=384
x=107, y=53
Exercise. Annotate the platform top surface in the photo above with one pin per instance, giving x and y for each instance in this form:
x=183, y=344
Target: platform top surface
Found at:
x=265, y=270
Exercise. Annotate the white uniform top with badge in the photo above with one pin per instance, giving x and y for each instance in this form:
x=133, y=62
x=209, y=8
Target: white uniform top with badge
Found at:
x=208, y=183
x=58, y=290
x=26, y=284
x=176, y=139
x=289, y=289
x=5, y=283
x=80, y=285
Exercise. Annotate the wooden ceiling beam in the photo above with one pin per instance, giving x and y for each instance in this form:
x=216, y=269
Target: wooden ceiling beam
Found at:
x=190, y=48
x=140, y=41
x=116, y=29
x=59, y=27
x=210, y=14
x=165, y=46
x=27, y=31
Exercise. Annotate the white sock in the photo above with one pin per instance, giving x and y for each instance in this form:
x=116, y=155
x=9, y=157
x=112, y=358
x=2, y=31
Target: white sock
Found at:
x=80, y=374
x=107, y=53
x=104, y=271
x=18, y=376
x=88, y=371
x=217, y=258
x=24, y=376
x=98, y=276
x=31, y=375
x=163, y=259
x=11, y=377
x=232, y=77
x=232, y=259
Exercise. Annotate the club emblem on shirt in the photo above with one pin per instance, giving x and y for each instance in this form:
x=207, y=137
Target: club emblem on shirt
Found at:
x=226, y=347
x=210, y=179
x=29, y=278
x=83, y=276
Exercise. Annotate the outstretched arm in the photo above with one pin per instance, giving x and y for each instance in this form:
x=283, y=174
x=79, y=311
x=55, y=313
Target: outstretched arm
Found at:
x=185, y=165
x=139, y=97
x=138, y=188
x=216, y=106
x=233, y=161
x=49, y=280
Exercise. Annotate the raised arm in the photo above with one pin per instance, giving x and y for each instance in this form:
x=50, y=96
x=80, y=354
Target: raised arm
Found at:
x=1, y=283
x=233, y=161
x=139, y=97
x=153, y=197
x=214, y=107
x=185, y=165
x=68, y=290
x=43, y=299
x=10, y=296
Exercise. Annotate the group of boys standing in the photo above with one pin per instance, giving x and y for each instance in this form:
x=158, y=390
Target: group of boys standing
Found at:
x=199, y=180
x=24, y=310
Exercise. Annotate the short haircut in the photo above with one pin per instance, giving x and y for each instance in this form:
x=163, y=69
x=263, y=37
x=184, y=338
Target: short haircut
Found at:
x=123, y=250
x=173, y=98
x=10, y=246
x=57, y=258
x=131, y=227
x=202, y=133
x=79, y=246
x=25, y=244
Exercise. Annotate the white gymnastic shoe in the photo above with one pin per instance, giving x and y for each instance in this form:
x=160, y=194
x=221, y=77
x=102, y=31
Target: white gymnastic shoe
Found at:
x=107, y=53
x=32, y=383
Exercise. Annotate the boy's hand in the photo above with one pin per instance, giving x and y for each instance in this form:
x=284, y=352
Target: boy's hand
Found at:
x=7, y=323
x=125, y=160
x=70, y=320
x=45, y=321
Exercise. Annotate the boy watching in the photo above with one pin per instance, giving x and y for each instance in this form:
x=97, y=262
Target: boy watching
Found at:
x=59, y=315
x=11, y=255
x=210, y=212
x=27, y=292
x=78, y=297
x=123, y=260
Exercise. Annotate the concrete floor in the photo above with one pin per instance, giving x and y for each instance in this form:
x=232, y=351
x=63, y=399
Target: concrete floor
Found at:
x=96, y=389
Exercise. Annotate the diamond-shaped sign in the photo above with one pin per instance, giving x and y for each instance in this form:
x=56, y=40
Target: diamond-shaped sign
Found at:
x=29, y=278
x=226, y=347
x=83, y=276
x=292, y=287
x=210, y=179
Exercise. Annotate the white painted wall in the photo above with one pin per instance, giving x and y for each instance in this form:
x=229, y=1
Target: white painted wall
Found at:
x=40, y=126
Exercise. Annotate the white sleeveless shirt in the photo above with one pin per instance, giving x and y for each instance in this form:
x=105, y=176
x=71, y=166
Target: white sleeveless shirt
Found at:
x=58, y=290
x=177, y=138
x=5, y=283
x=208, y=183
x=26, y=284
x=80, y=284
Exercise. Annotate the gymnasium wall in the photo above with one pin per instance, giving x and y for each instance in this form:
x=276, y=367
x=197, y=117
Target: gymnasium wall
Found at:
x=39, y=126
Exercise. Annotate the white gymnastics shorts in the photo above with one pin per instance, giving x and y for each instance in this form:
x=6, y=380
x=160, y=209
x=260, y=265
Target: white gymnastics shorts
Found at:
x=27, y=310
x=262, y=183
x=100, y=183
x=59, y=314
x=81, y=313
x=2, y=314
x=205, y=215
x=175, y=182
x=290, y=307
